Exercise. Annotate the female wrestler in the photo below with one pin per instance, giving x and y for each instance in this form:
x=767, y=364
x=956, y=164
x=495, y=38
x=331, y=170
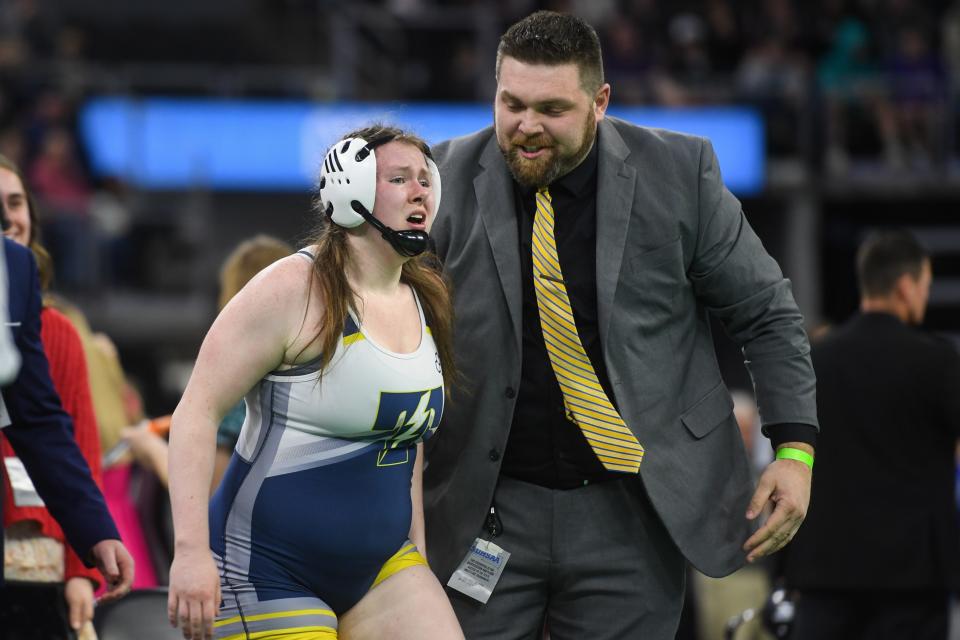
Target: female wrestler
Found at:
x=341, y=351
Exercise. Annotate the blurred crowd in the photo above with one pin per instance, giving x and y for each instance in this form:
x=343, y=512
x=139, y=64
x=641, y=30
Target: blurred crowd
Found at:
x=844, y=86
x=875, y=76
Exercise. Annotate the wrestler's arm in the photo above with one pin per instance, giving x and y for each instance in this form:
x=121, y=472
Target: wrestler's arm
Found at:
x=256, y=332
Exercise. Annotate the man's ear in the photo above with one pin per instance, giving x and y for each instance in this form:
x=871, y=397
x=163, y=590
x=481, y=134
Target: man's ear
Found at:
x=601, y=101
x=904, y=287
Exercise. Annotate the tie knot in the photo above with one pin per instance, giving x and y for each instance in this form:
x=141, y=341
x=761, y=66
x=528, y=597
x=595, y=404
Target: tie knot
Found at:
x=545, y=193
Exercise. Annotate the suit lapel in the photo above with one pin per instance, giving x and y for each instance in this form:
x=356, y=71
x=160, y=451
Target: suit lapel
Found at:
x=495, y=202
x=616, y=181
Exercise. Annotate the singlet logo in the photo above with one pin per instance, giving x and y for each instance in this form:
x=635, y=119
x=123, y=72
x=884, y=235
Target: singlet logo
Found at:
x=405, y=419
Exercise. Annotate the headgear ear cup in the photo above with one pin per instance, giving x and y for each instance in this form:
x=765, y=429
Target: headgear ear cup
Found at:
x=349, y=174
x=435, y=185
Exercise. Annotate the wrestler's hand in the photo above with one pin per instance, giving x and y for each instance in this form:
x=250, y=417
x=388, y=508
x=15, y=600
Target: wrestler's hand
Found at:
x=786, y=485
x=194, y=593
x=116, y=564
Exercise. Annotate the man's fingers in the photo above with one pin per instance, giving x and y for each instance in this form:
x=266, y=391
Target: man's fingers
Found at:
x=760, y=498
x=773, y=543
x=775, y=533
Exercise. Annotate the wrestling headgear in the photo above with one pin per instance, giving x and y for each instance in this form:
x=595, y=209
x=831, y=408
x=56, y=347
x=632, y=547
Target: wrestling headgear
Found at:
x=348, y=189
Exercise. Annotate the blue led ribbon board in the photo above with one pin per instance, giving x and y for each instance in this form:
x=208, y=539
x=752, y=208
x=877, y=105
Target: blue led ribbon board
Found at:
x=255, y=145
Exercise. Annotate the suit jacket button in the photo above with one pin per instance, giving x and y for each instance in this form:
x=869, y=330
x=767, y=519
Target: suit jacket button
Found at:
x=510, y=393
x=494, y=455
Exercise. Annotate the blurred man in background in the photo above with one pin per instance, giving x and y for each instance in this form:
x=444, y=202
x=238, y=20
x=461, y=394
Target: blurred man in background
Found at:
x=878, y=554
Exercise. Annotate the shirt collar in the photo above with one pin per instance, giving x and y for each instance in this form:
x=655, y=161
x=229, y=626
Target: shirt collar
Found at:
x=576, y=181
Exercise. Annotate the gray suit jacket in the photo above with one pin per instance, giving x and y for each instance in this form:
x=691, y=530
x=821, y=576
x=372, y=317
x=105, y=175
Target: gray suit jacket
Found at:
x=672, y=246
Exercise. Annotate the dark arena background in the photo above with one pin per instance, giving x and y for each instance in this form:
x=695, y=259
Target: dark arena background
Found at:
x=158, y=135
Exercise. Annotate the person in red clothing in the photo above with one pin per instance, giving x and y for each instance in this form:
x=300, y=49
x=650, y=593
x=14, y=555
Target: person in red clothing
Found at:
x=31, y=553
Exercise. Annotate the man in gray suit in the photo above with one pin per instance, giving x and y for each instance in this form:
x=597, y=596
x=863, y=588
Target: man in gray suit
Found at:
x=593, y=439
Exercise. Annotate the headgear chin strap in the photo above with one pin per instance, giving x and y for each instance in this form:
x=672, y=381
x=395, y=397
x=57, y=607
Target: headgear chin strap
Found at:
x=348, y=190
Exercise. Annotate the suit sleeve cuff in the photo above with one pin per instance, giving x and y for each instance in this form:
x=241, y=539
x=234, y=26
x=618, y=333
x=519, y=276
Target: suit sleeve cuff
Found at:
x=791, y=432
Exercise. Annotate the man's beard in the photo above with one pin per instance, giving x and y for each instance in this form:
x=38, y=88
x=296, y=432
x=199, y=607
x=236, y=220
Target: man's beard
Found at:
x=542, y=171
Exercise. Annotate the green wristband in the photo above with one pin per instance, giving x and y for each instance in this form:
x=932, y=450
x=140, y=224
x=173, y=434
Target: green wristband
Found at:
x=789, y=453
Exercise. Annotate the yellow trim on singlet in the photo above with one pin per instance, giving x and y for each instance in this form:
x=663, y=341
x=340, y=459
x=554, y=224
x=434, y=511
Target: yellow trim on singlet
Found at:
x=293, y=633
x=408, y=556
x=275, y=614
x=353, y=337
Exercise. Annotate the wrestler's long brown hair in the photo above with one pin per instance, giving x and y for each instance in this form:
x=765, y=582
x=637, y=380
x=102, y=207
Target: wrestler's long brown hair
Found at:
x=422, y=273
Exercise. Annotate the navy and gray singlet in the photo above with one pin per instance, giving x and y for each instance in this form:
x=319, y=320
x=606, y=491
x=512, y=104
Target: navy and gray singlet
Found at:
x=316, y=497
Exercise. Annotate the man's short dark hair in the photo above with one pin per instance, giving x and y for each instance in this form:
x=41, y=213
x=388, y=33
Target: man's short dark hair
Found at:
x=886, y=255
x=551, y=38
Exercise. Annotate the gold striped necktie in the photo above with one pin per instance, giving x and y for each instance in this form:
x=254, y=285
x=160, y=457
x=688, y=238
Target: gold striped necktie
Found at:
x=586, y=402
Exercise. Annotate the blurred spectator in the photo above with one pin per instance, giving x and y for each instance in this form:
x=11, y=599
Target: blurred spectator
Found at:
x=106, y=390
x=628, y=64
x=915, y=78
x=35, y=548
x=108, y=382
x=461, y=77
x=62, y=187
x=773, y=74
x=849, y=79
x=12, y=145
x=124, y=409
x=112, y=219
x=724, y=41
x=776, y=20
x=689, y=60
x=58, y=176
x=950, y=36
x=879, y=551
x=33, y=20
x=889, y=17
x=41, y=434
x=774, y=79
x=599, y=13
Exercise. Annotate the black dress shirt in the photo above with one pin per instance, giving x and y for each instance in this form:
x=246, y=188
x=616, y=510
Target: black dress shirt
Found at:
x=544, y=447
